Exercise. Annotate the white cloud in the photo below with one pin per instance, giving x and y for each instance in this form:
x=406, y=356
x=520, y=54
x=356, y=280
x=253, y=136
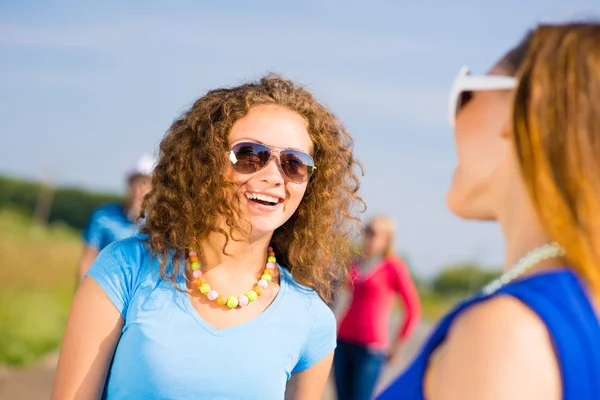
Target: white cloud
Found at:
x=151, y=45
x=17, y=35
x=222, y=34
x=425, y=107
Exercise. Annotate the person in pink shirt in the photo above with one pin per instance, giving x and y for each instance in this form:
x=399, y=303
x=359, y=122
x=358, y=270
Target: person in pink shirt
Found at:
x=377, y=278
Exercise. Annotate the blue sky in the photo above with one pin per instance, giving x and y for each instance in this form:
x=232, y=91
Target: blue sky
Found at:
x=85, y=89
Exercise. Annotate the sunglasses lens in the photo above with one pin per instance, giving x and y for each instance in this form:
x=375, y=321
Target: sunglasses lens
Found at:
x=297, y=165
x=462, y=100
x=248, y=158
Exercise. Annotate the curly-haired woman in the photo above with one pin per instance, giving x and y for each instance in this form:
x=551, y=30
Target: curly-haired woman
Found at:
x=222, y=294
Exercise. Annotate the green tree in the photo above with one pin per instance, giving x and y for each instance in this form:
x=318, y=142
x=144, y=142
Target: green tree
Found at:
x=72, y=206
x=462, y=279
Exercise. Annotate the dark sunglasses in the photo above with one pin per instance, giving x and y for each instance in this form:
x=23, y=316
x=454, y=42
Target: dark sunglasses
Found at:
x=250, y=157
x=369, y=232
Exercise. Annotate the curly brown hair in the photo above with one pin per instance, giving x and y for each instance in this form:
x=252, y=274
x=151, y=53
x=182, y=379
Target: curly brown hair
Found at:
x=192, y=195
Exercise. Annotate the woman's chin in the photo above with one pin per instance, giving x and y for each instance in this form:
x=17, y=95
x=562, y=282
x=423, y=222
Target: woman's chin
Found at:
x=262, y=228
x=467, y=208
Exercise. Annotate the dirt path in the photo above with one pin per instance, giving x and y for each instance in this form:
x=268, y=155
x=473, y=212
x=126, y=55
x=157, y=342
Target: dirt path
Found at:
x=35, y=383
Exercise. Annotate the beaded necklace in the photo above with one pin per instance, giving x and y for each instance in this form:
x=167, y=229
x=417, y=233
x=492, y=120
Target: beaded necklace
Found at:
x=529, y=260
x=233, y=301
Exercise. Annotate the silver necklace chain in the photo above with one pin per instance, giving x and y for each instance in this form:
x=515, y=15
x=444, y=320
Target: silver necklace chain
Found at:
x=529, y=260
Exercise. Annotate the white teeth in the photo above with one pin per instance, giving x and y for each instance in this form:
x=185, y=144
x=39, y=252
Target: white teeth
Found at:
x=262, y=197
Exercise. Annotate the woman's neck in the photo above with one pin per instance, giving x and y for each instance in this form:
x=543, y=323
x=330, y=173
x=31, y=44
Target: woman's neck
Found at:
x=523, y=232
x=132, y=210
x=239, y=258
x=370, y=256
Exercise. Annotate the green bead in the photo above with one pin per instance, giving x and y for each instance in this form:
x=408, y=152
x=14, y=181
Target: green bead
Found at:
x=232, y=302
x=267, y=277
x=251, y=295
x=204, y=288
x=195, y=265
x=271, y=259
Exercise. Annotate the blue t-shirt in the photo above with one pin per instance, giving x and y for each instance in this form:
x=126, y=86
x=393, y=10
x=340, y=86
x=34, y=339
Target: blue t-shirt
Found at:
x=166, y=351
x=108, y=224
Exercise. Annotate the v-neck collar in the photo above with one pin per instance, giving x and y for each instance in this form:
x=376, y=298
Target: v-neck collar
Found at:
x=187, y=304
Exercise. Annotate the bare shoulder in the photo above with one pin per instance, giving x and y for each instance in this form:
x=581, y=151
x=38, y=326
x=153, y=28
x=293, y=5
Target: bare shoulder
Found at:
x=498, y=349
x=515, y=320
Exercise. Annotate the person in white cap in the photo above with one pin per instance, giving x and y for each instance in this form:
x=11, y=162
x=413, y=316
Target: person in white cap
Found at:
x=112, y=222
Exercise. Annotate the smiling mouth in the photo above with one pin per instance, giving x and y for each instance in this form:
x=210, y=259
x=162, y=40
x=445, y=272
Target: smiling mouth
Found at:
x=263, y=199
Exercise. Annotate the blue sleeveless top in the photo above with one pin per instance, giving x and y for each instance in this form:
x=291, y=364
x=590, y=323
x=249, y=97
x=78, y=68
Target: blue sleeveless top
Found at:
x=559, y=299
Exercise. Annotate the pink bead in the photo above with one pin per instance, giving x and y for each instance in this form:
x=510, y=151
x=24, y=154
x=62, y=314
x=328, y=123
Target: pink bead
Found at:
x=263, y=283
x=270, y=248
x=243, y=300
x=212, y=295
x=271, y=265
x=192, y=253
x=197, y=273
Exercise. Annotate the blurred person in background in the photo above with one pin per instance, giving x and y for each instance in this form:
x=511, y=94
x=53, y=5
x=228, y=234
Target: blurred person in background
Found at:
x=528, y=143
x=378, y=278
x=197, y=306
x=112, y=222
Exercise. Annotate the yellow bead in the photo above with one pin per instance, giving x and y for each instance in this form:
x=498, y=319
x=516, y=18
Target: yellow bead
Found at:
x=258, y=289
x=271, y=259
x=251, y=295
x=204, y=288
x=267, y=277
x=232, y=302
x=222, y=300
x=195, y=265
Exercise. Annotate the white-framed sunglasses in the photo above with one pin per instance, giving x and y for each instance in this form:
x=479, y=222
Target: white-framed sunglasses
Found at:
x=465, y=84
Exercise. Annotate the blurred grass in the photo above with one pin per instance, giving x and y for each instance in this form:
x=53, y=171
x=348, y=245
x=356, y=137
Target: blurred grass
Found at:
x=435, y=306
x=37, y=282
